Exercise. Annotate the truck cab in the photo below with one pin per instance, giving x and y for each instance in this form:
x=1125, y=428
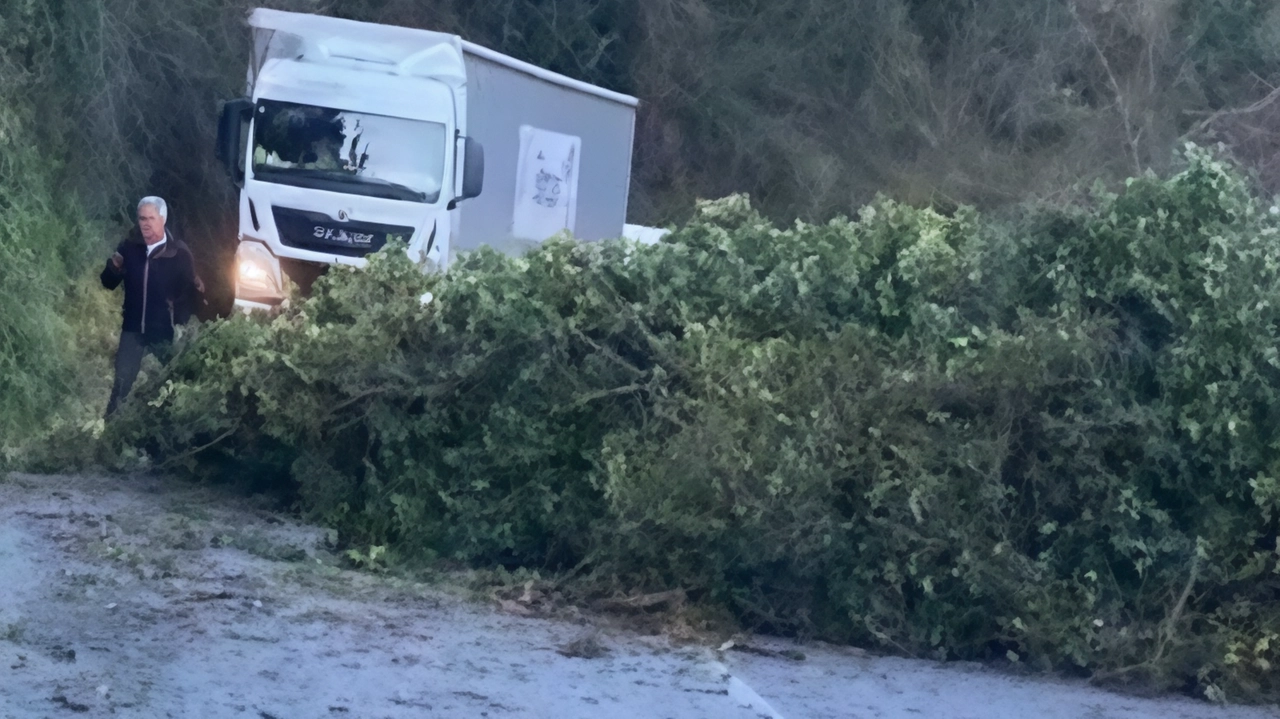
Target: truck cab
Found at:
x=344, y=145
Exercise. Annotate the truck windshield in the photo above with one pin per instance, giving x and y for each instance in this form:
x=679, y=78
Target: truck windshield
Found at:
x=342, y=151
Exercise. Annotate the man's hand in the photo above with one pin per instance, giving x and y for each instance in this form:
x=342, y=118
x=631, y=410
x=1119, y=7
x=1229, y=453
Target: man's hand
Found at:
x=117, y=261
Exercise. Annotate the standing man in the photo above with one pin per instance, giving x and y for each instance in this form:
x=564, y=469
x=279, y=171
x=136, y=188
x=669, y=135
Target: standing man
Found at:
x=160, y=290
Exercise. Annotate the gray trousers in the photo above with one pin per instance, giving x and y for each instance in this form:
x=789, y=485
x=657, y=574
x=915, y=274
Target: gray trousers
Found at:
x=128, y=361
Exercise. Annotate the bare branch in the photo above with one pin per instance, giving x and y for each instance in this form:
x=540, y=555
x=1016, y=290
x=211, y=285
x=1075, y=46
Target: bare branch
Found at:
x=1122, y=102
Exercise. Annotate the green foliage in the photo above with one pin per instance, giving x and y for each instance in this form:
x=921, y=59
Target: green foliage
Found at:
x=45, y=240
x=32, y=270
x=1053, y=438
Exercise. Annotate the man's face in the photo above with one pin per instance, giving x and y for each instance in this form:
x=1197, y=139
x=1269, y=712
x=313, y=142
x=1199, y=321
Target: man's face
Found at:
x=151, y=224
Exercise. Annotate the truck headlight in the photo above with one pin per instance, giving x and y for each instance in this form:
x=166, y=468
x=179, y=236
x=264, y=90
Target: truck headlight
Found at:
x=252, y=274
x=258, y=276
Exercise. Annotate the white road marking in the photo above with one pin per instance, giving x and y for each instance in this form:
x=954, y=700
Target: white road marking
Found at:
x=740, y=693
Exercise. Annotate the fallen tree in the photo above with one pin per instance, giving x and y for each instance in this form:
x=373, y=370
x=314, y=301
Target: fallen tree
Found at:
x=1052, y=440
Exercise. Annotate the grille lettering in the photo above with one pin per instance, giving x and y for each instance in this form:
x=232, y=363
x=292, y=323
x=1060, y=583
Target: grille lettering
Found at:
x=338, y=235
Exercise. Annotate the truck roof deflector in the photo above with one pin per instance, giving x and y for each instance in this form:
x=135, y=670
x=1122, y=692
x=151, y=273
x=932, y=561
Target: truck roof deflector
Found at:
x=441, y=56
x=405, y=48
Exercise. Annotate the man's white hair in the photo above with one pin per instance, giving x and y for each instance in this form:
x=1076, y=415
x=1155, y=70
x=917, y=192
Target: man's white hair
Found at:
x=161, y=206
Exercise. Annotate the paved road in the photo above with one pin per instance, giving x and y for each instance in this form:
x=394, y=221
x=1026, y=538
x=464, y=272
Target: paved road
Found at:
x=137, y=598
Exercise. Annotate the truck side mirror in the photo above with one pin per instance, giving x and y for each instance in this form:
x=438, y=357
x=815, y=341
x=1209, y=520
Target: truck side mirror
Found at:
x=233, y=129
x=472, y=169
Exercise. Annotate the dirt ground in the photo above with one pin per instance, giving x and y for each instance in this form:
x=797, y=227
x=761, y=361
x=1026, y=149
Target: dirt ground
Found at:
x=139, y=597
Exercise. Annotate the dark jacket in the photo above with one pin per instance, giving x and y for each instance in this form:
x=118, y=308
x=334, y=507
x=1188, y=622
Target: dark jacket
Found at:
x=159, y=291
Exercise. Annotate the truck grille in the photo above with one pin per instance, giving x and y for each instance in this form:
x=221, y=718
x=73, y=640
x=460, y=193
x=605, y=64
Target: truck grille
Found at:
x=318, y=232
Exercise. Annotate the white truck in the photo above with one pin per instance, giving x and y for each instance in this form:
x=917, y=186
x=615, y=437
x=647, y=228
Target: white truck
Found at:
x=353, y=135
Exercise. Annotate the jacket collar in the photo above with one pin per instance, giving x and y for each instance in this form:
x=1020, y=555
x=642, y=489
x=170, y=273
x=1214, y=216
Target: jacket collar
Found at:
x=170, y=248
